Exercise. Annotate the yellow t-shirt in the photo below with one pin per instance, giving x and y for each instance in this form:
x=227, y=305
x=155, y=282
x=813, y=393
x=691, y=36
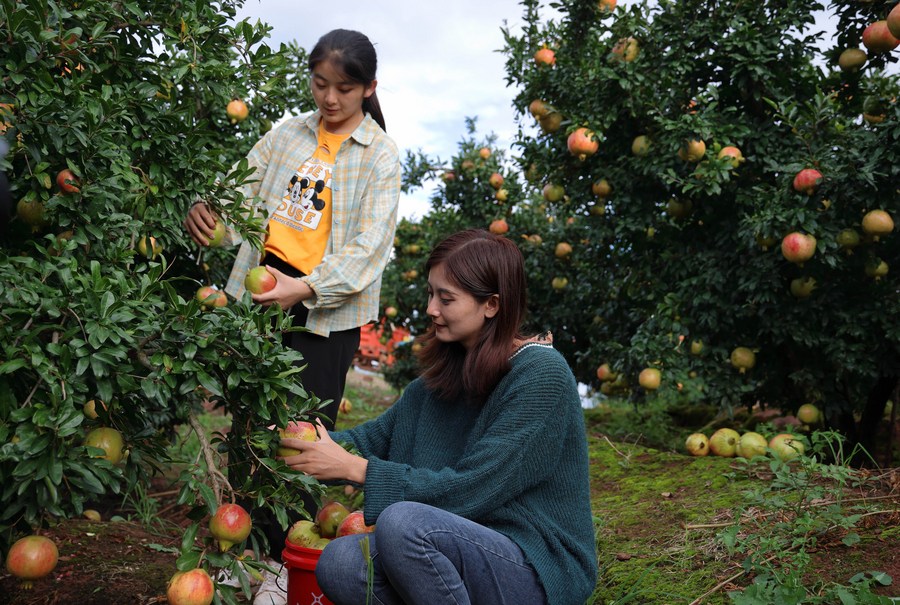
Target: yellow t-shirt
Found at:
x=300, y=228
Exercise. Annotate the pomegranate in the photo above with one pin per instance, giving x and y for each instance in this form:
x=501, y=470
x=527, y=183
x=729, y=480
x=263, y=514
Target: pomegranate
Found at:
x=553, y=192
x=259, y=280
x=733, y=154
x=538, y=108
x=551, y=122
x=876, y=268
x=545, y=56
x=329, y=518
x=848, y=239
x=31, y=212
x=640, y=146
x=193, y=587
x=679, y=209
x=802, y=287
x=67, y=181
x=852, y=59
x=606, y=6
x=484, y=153
x=31, y=558
x=807, y=180
x=496, y=180
x=109, y=440
x=210, y=297
x=798, y=247
x=692, y=150
x=626, y=49
x=893, y=21
x=563, y=250
x=149, y=247
x=582, y=143
x=743, y=359
x=877, y=37
x=230, y=525
x=604, y=373
x=877, y=223
x=601, y=188
x=649, y=378
x=237, y=111
x=498, y=227
x=354, y=523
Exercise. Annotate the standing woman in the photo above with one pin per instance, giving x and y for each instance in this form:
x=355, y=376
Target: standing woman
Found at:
x=476, y=479
x=330, y=183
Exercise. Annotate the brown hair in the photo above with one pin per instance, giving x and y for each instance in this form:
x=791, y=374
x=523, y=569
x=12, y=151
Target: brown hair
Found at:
x=482, y=264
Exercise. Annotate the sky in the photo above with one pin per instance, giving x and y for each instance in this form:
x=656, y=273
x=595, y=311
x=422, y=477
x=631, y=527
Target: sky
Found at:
x=438, y=63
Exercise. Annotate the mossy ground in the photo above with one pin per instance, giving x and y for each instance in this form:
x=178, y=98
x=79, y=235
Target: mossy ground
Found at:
x=658, y=513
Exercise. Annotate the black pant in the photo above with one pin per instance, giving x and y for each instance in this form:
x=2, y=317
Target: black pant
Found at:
x=327, y=361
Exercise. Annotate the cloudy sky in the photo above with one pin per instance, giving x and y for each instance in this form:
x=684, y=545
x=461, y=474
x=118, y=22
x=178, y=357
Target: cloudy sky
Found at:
x=437, y=65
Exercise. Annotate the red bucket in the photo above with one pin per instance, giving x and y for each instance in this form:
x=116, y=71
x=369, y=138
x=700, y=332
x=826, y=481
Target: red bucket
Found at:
x=301, y=565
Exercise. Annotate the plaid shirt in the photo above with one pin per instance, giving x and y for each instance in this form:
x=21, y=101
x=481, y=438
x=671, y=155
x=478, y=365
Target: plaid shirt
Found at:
x=366, y=195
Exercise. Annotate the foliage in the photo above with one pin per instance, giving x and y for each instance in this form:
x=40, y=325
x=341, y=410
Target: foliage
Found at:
x=131, y=98
x=686, y=250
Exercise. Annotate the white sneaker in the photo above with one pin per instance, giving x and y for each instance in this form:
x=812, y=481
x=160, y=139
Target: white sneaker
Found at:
x=273, y=590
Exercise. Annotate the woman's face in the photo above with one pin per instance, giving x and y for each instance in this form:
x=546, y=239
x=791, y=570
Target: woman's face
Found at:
x=338, y=98
x=457, y=316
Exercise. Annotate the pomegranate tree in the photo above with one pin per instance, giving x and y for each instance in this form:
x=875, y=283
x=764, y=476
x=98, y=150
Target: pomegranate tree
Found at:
x=31, y=558
x=230, y=525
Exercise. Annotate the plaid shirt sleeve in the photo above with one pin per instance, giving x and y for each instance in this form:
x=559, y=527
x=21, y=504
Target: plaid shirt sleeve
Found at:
x=365, y=194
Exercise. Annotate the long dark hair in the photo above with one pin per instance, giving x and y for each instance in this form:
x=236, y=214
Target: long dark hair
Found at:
x=483, y=265
x=352, y=53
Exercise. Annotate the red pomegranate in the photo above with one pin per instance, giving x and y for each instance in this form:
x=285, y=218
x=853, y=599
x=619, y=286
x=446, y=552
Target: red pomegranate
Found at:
x=230, y=525
x=582, y=143
x=807, y=180
x=798, y=247
x=31, y=558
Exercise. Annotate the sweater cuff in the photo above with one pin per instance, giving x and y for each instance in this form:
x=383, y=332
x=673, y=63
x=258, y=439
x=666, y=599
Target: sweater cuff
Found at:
x=385, y=484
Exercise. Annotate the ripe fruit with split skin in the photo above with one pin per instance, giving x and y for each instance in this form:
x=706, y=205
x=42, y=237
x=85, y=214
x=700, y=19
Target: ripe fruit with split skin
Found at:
x=354, y=523
x=67, y=181
x=259, y=280
x=743, y=359
x=32, y=558
x=807, y=181
x=697, y=444
x=109, y=440
x=582, y=143
x=751, y=444
x=650, y=378
x=798, y=247
x=329, y=518
x=786, y=446
x=498, y=226
x=237, y=111
x=724, y=442
x=230, y=525
x=298, y=429
x=193, y=587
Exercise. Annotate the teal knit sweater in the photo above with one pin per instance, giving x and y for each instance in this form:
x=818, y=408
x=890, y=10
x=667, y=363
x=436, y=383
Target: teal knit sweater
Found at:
x=518, y=464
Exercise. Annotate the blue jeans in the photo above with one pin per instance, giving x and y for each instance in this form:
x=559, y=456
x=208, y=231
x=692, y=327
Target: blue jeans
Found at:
x=423, y=555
